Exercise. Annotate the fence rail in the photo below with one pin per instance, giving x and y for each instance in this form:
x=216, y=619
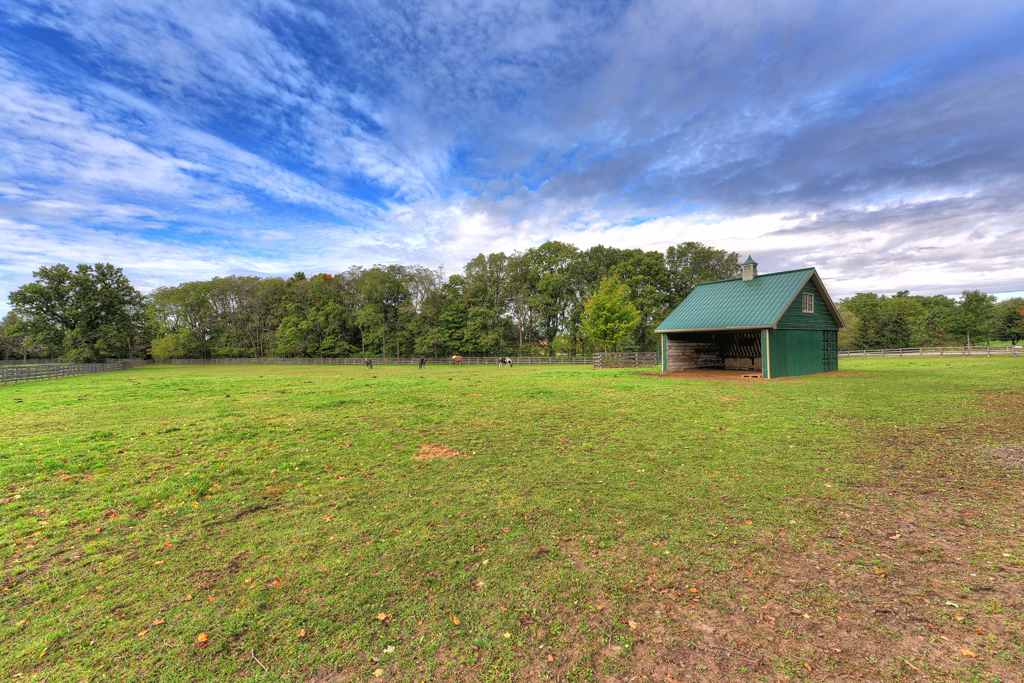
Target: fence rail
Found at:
x=30, y=361
x=934, y=351
x=30, y=373
x=627, y=359
x=466, y=360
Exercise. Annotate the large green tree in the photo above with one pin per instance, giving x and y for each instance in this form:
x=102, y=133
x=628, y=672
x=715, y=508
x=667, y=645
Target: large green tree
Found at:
x=974, y=317
x=692, y=263
x=1010, y=320
x=88, y=314
x=14, y=342
x=609, y=316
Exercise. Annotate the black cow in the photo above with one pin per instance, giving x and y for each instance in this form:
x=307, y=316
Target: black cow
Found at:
x=503, y=361
x=423, y=361
x=369, y=363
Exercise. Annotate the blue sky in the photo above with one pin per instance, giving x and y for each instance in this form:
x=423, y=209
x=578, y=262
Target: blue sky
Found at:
x=882, y=142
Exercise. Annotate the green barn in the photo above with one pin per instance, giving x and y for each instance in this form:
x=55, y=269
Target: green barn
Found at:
x=774, y=325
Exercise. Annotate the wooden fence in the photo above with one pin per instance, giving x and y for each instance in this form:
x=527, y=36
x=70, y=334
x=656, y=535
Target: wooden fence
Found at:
x=29, y=373
x=466, y=360
x=628, y=359
x=943, y=351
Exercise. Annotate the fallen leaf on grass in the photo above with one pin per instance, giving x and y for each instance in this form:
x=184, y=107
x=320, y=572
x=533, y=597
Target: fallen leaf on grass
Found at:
x=551, y=658
x=959, y=618
x=632, y=624
x=893, y=538
x=159, y=621
x=967, y=653
x=301, y=633
x=187, y=598
x=456, y=620
x=383, y=617
x=203, y=640
x=377, y=673
x=507, y=635
x=141, y=633
x=328, y=518
x=808, y=666
x=275, y=582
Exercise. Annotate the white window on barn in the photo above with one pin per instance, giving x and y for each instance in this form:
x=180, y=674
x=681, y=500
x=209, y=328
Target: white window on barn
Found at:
x=808, y=303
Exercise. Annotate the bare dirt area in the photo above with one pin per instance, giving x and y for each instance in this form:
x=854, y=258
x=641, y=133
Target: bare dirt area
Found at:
x=886, y=596
x=921, y=577
x=729, y=375
x=431, y=451
x=1012, y=456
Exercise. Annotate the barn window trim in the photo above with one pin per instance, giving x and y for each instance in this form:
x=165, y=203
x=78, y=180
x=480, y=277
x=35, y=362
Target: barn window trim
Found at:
x=808, y=303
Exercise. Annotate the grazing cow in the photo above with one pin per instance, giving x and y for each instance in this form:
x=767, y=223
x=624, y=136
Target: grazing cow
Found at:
x=423, y=361
x=369, y=363
x=503, y=361
x=456, y=360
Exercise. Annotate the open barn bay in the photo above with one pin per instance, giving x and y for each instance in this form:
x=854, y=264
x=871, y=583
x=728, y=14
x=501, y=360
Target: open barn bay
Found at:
x=546, y=523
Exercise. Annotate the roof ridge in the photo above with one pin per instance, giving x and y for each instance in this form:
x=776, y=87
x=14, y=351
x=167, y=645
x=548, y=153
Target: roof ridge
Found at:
x=733, y=279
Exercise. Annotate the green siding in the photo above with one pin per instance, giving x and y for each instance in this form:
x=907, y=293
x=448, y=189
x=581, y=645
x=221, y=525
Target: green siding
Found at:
x=796, y=352
x=830, y=350
x=795, y=319
x=664, y=353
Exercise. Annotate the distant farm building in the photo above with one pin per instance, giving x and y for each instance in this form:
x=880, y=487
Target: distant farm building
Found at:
x=775, y=325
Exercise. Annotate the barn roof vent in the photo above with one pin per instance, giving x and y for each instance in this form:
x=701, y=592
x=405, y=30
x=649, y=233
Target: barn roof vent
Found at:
x=749, y=269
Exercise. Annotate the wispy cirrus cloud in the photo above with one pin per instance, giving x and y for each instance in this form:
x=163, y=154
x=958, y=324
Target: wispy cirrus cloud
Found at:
x=879, y=141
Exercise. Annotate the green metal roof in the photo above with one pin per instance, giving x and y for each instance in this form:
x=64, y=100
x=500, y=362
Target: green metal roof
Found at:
x=739, y=304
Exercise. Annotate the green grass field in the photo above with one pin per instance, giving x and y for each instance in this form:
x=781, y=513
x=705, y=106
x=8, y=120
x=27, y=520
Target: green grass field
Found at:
x=272, y=522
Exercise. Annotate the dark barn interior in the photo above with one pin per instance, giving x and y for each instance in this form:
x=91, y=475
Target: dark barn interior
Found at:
x=713, y=351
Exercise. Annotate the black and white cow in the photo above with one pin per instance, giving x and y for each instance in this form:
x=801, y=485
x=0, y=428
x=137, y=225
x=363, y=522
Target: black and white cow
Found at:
x=503, y=361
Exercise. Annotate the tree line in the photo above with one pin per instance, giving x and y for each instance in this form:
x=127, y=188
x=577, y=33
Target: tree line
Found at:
x=901, y=321
x=551, y=299
x=524, y=303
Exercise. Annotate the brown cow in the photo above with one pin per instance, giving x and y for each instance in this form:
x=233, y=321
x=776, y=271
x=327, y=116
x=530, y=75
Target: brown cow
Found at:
x=456, y=360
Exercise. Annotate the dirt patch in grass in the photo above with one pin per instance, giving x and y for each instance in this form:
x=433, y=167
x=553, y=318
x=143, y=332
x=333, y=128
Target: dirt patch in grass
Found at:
x=730, y=375
x=897, y=587
x=1012, y=456
x=432, y=451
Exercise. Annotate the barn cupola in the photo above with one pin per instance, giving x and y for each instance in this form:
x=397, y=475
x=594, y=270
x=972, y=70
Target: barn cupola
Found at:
x=749, y=269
